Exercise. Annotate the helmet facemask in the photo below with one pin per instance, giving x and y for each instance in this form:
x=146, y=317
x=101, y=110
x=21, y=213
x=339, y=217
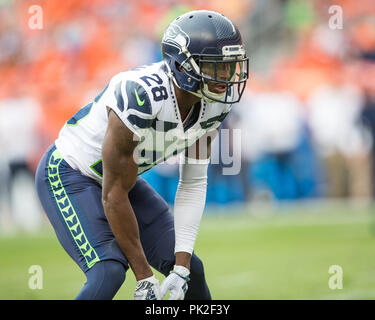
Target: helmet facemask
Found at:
x=221, y=77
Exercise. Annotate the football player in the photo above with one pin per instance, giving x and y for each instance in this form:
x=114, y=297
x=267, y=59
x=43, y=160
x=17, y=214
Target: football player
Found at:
x=104, y=214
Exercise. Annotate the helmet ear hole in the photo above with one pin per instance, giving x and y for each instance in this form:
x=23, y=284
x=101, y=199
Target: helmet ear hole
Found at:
x=178, y=67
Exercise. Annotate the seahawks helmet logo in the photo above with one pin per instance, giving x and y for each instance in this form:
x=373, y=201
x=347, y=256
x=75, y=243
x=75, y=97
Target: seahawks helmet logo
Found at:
x=175, y=37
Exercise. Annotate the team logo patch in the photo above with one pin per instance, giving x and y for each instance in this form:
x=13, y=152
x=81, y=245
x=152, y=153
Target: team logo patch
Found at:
x=176, y=37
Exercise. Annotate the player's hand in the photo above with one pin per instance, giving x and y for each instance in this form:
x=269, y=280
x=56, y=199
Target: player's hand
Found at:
x=176, y=282
x=147, y=289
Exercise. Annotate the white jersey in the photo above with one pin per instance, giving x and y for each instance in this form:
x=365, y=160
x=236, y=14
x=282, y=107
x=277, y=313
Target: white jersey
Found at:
x=145, y=101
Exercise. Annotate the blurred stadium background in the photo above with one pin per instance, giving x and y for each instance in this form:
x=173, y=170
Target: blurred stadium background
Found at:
x=303, y=200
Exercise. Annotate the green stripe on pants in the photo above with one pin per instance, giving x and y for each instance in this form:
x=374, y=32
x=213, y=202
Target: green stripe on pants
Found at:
x=67, y=210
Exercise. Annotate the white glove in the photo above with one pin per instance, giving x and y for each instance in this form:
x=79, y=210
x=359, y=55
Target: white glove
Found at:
x=147, y=289
x=176, y=282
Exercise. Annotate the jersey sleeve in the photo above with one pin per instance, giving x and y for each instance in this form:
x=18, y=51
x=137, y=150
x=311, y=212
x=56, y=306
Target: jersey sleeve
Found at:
x=131, y=102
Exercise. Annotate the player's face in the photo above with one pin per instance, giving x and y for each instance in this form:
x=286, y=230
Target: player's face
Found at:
x=220, y=71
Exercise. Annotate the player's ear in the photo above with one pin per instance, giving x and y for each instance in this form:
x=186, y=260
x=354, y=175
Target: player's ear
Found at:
x=178, y=67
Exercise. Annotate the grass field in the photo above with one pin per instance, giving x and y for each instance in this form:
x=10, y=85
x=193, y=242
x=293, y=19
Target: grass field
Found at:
x=248, y=254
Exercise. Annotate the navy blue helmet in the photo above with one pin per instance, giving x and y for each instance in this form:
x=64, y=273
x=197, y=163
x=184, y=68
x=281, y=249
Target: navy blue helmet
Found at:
x=205, y=56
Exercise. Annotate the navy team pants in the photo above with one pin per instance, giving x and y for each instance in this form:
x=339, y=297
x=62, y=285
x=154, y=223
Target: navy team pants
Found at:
x=74, y=207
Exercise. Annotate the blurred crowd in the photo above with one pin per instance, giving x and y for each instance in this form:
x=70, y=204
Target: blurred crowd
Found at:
x=307, y=118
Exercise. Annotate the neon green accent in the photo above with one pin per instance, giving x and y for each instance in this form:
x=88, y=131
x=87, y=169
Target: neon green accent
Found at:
x=139, y=101
x=93, y=168
x=67, y=210
x=76, y=124
x=185, y=278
